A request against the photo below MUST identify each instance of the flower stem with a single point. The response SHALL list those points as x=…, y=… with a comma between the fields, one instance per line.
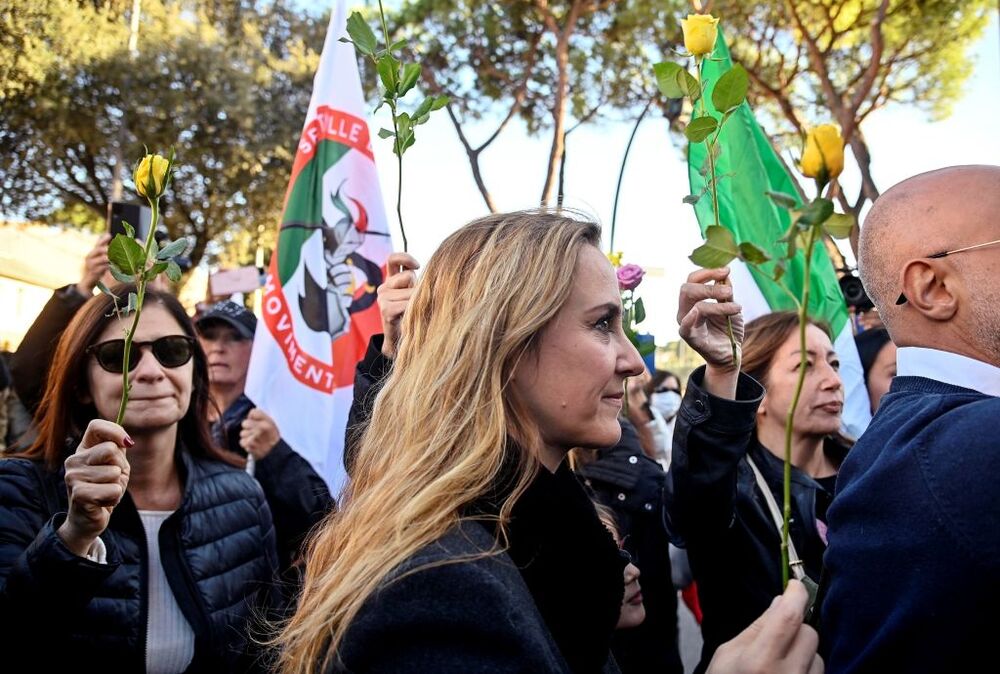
x=398, y=140
x=140, y=293
x=790, y=419
x=714, y=186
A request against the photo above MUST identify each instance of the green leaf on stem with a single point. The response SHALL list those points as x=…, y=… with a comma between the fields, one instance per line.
x=173, y=249
x=639, y=311
x=156, y=270
x=398, y=44
x=424, y=107
x=779, y=270
x=718, y=250
x=839, y=225
x=125, y=252
x=440, y=102
x=119, y=275
x=731, y=89
x=361, y=34
x=751, y=254
x=646, y=348
x=700, y=128
x=133, y=303
x=666, y=79
x=689, y=85
x=411, y=72
x=173, y=271
x=104, y=289
x=129, y=230
x=385, y=133
x=816, y=212
x=782, y=199
x=388, y=72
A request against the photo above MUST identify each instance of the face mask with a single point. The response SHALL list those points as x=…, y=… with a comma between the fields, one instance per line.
x=667, y=403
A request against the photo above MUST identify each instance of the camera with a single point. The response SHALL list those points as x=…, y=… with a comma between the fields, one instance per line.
x=854, y=293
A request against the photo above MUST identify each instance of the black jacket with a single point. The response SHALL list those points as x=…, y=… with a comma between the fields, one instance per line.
x=720, y=515
x=547, y=604
x=369, y=375
x=297, y=495
x=29, y=365
x=633, y=486
x=61, y=612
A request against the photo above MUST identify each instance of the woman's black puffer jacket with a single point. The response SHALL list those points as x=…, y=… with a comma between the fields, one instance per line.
x=62, y=612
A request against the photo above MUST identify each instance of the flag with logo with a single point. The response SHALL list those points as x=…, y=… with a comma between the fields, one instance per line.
x=751, y=168
x=319, y=304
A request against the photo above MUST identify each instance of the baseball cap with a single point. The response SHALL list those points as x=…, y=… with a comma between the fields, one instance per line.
x=232, y=314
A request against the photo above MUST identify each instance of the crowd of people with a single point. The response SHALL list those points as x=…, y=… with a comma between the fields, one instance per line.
x=505, y=511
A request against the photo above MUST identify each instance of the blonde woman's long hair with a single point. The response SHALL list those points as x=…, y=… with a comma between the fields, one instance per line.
x=439, y=433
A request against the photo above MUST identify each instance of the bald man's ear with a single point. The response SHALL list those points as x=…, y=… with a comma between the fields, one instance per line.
x=930, y=289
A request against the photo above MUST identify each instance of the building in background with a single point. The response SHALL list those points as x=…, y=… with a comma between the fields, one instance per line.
x=35, y=259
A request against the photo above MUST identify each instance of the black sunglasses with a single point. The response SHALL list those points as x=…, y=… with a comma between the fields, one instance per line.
x=170, y=351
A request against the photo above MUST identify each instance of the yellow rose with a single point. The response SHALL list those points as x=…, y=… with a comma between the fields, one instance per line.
x=158, y=166
x=823, y=156
x=615, y=259
x=700, y=31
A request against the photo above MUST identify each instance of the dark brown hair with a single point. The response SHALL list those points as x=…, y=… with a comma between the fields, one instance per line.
x=62, y=417
x=765, y=335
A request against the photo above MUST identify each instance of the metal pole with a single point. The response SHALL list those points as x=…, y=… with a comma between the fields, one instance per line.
x=621, y=174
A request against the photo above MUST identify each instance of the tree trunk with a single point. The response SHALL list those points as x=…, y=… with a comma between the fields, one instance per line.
x=478, y=177
x=559, y=118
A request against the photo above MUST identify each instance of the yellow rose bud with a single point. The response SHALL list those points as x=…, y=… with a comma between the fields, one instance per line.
x=615, y=259
x=700, y=31
x=823, y=156
x=158, y=166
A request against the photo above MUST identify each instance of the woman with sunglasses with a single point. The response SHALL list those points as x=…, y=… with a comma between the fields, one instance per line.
x=139, y=547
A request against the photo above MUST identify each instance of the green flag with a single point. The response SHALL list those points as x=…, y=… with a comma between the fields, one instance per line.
x=748, y=168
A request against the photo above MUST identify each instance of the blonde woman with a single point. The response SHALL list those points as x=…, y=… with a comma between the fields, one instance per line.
x=464, y=542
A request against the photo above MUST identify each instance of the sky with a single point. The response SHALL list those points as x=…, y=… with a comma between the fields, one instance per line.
x=654, y=228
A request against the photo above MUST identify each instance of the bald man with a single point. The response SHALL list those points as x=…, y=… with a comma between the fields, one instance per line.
x=914, y=531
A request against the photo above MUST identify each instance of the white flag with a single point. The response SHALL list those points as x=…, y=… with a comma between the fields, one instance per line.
x=319, y=304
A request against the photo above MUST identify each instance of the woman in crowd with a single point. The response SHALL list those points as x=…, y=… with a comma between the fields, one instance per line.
x=878, y=362
x=138, y=547
x=729, y=447
x=632, y=612
x=632, y=487
x=464, y=543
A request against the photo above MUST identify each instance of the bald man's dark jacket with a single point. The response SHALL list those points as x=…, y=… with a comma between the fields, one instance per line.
x=914, y=531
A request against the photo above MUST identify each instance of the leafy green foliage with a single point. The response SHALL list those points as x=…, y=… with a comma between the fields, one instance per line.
x=700, y=128
x=718, y=250
x=232, y=82
x=731, y=89
x=839, y=225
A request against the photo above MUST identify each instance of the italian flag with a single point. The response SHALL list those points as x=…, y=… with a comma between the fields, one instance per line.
x=319, y=305
x=751, y=168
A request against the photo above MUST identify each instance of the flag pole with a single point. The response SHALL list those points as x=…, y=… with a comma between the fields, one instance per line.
x=621, y=174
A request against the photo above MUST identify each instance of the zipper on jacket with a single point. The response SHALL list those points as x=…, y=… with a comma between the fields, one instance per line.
x=182, y=583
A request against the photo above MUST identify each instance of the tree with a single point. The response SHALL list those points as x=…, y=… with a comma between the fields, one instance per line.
x=226, y=83
x=552, y=64
x=813, y=60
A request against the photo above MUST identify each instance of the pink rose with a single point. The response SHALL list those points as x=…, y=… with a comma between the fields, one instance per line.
x=629, y=276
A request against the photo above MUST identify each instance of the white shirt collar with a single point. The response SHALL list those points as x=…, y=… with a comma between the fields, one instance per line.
x=949, y=368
